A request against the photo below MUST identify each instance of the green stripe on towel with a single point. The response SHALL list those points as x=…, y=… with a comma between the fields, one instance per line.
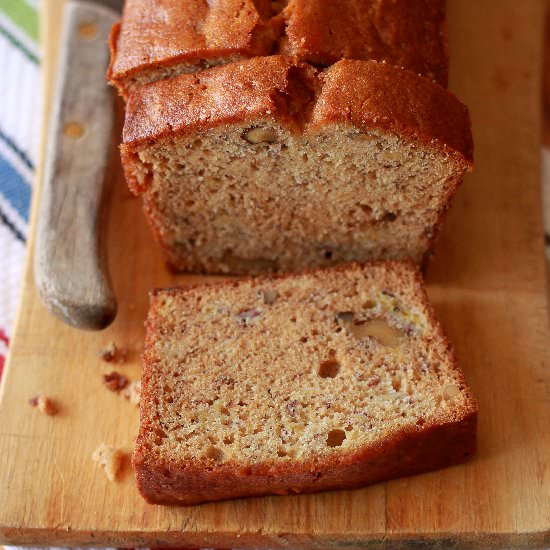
x=23, y=15
x=15, y=42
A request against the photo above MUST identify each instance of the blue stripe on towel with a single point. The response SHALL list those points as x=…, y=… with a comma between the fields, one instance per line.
x=14, y=189
x=18, y=151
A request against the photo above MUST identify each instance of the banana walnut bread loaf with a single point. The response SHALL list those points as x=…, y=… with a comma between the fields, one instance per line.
x=160, y=38
x=332, y=379
x=269, y=164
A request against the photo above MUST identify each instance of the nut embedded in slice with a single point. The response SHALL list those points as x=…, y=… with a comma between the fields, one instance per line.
x=451, y=391
x=269, y=295
x=261, y=135
x=378, y=329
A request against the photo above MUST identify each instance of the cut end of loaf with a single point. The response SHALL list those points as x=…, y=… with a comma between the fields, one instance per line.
x=337, y=196
x=273, y=167
x=325, y=380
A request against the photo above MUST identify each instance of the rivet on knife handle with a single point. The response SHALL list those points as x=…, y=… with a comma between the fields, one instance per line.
x=70, y=258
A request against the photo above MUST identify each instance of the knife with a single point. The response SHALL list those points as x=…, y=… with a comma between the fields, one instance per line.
x=71, y=271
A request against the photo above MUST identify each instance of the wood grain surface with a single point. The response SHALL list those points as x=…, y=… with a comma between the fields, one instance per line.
x=487, y=283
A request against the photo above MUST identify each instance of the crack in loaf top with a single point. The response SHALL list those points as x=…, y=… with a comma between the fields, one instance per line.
x=159, y=38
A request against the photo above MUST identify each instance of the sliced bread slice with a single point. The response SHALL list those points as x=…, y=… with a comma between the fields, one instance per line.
x=270, y=165
x=161, y=38
x=331, y=379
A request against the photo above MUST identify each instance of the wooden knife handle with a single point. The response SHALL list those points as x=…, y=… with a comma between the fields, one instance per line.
x=71, y=270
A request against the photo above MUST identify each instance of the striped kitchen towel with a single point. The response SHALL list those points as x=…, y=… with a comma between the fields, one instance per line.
x=19, y=137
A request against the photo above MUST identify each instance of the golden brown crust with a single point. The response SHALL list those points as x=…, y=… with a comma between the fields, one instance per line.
x=163, y=33
x=400, y=32
x=437, y=443
x=405, y=453
x=164, y=37
x=366, y=94
x=372, y=95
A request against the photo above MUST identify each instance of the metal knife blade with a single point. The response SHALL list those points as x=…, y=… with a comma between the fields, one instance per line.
x=71, y=270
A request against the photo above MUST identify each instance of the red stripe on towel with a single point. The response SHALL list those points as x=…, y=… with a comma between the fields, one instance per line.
x=4, y=338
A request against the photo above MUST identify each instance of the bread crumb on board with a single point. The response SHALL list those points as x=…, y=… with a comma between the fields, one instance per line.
x=132, y=392
x=110, y=459
x=44, y=404
x=114, y=381
x=113, y=354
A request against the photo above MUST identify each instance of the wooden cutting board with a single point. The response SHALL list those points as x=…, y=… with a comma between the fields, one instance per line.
x=488, y=285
